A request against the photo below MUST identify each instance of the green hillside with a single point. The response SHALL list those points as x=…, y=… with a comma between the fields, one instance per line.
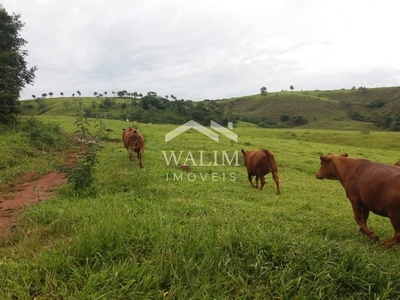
x=353, y=109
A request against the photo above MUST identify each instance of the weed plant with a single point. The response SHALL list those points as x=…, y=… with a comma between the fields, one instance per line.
x=80, y=175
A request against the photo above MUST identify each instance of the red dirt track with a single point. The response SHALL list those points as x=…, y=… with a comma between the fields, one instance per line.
x=25, y=194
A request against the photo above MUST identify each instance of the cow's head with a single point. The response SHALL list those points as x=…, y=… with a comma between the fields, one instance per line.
x=125, y=131
x=327, y=169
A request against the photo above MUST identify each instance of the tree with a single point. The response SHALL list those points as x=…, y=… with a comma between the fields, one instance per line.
x=122, y=93
x=292, y=88
x=95, y=94
x=14, y=73
x=33, y=96
x=50, y=94
x=44, y=95
x=263, y=91
x=299, y=120
x=62, y=94
x=79, y=93
x=285, y=118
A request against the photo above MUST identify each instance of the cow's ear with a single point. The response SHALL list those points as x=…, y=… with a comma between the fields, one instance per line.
x=324, y=158
x=344, y=155
x=123, y=129
x=242, y=151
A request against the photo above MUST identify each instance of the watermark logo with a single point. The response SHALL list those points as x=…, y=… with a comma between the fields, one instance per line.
x=204, y=130
x=202, y=158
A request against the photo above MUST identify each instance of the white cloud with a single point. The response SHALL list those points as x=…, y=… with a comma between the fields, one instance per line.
x=208, y=49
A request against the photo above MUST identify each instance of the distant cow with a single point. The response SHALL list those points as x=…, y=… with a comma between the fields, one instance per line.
x=259, y=163
x=370, y=186
x=134, y=143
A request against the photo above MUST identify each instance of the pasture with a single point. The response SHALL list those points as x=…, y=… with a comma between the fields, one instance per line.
x=160, y=232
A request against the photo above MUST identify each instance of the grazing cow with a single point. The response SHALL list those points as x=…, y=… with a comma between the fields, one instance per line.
x=259, y=163
x=370, y=186
x=134, y=143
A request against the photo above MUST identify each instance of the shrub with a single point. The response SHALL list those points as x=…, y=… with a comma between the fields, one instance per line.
x=44, y=136
x=285, y=118
x=354, y=115
x=108, y=103
x=377, y=104
x=299, y=120
x=363, y=89
x=81, y=175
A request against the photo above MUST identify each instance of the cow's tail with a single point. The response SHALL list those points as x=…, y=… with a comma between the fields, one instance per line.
x=271, y=160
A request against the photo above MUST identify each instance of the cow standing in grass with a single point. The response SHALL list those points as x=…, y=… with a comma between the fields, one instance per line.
x=134, y=143
x=258, y=164
x=370, y=186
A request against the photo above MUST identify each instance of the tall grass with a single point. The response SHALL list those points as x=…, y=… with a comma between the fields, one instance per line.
x=145, y=237
x=32, y=146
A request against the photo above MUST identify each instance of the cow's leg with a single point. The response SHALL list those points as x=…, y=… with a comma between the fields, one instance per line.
x=140, y=159
x=395, y=220
x=256, y=186
x=361, y=216
x=250, y=179
x=276, y=179
x=131, y=154
x=262, y=182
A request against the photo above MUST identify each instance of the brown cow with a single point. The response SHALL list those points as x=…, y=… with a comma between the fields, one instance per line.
x=134, y=143
x=259, y=163
x=370, y=186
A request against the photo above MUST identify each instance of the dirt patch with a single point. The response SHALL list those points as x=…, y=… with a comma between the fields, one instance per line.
x=25, y=194
x=30, y=189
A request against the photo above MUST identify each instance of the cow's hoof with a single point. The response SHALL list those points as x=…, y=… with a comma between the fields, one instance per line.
x=373, y=236
x=390, y=243
x=370, y=235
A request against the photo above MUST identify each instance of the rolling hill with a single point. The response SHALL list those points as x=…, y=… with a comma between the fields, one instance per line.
x=352, y=109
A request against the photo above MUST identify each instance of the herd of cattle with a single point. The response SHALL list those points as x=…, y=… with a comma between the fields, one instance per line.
x=370, y=186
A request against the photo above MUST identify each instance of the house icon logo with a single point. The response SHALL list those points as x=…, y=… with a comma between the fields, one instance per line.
x=204, y=130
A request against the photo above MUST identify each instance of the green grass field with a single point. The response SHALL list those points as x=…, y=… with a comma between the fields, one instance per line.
x=160, y=233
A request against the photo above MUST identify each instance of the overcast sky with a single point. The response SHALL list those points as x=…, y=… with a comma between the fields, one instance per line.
x=208, y=49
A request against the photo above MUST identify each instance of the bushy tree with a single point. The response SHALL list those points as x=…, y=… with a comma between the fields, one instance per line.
x=14, y=73
x=299, y=120
x=263, y=91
